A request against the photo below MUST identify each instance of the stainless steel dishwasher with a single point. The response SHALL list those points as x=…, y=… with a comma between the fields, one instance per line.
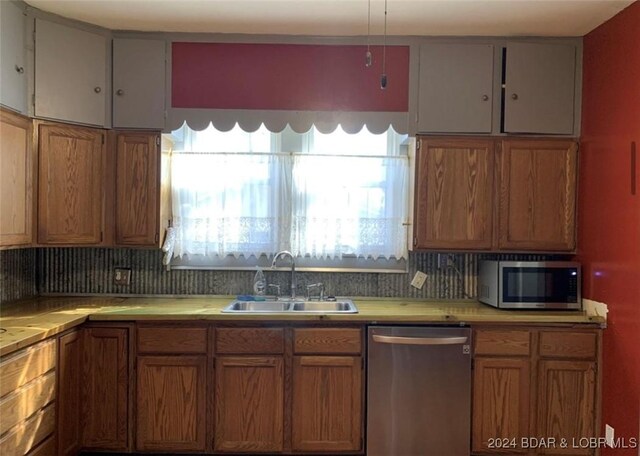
x=419, y=391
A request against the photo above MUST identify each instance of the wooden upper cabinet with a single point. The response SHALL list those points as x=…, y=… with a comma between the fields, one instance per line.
x=327, y=403
x=16, y=180
x=538, y=195
x=171, y=403
x=539, y=88
x=137, y=189
x=70, y=74
x=456, y=88
x=69, y=405
x=249, y=404
x=13, y=70
x=71, y=193
x=138, y=83
x=454, y=193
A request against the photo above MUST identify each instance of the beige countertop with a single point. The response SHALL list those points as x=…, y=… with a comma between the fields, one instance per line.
x=27, y=322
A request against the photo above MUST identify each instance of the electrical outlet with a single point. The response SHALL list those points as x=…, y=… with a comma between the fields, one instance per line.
x=609, y=435
x=418, y=280
x=122, y=276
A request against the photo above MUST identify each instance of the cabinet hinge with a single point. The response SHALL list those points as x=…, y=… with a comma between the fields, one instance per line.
x=33, y=100
x=157, y=237
x=415, y=241
x=418, y=142
x=101, y=236
x=473, y=363
x=157, y=140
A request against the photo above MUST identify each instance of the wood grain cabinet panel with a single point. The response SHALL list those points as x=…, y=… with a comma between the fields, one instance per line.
x=26, y=436
x=46, y=448
x=504, y=342
x=454, y=194
x=171, y=403
x=501, y=396
x=538, y=195
x=250, y=341
x=25, y=401
x=26, y=365
x=69, y=406
x=71, y=193
x=16, y=179
x=137, y=189
x=563, y=344
x=249, y=404
x=327, y=403
x=172, y=339
x=105, y=388
x=346, y=341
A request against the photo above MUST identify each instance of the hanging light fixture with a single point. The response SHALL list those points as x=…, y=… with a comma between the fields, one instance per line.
x=383, y=76
x=368, y=58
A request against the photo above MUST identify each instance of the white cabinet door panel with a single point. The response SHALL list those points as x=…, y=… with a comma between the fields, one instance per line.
x=13, y=71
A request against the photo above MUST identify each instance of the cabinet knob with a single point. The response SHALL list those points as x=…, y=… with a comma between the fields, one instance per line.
x=485, y=97
x=514, y=96
x=119, y=92
x=97, y=89
x=19, y=69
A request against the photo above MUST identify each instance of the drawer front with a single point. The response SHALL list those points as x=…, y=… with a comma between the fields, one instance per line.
x=502, y=342
x=328, y=340
x=23, y=438
x=249, y=340
x=46, y=448
x=25, y=401
x=19, y=369
x=561, y=344
x=172, y=339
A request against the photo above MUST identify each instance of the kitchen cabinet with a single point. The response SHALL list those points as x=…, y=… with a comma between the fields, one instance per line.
x=137, y=207
x=539, y=88
x=456, y=88
x=138, y=83
x=105, y=388
x=71, y=179
x=69, y=405
x=17, y=163
x=538, y=180
x=13, y=74
x=454, y=193
x=70, y=74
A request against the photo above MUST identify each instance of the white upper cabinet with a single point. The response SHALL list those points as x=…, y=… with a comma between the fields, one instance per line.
x=13, y=72
x=70, y=74
x=456, y=88
x=539, y=88
x=138, y=83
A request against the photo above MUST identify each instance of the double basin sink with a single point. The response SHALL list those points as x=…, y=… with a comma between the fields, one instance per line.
x=339, y=306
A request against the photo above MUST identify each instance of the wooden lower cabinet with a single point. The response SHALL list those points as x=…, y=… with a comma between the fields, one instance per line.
x=249, y=404
x=69, y=406
x=327, y=403
x=171, y=403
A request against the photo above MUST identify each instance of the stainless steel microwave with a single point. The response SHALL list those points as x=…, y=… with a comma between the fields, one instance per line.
x=530, y=284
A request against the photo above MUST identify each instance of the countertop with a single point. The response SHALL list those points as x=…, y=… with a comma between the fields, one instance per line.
x=24, y=323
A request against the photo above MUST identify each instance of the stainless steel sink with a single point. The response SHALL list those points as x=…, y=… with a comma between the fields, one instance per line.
x=288, y=306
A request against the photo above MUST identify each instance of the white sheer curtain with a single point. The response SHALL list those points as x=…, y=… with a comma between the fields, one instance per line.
x=336, y=195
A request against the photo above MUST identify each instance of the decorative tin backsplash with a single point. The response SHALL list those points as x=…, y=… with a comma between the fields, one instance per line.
x=17, y=274
x=91, y=270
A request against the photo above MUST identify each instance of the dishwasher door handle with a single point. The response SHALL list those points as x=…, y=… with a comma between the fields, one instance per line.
x=399, y=340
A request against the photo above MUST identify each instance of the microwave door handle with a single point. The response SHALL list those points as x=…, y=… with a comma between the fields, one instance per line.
x=397, y=340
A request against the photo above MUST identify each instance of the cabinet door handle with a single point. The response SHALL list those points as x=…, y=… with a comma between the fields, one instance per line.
x=19, y=69
x=514, y=96
x=97, y=89
x=485, y=97
x=397, y=340
x=120, y=92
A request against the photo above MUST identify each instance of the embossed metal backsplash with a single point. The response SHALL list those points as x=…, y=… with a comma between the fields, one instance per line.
x=91, y=270
x=17, y=274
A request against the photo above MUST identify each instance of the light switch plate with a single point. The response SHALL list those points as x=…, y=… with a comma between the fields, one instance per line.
x=609, y=435
x=122, y=276
x=418, y=280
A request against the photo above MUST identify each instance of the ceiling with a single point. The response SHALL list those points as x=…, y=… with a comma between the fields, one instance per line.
x=344, y=17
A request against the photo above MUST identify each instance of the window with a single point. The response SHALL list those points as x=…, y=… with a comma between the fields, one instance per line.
x=324, y=196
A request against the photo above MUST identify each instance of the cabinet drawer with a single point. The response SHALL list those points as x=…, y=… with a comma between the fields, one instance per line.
x=46, y=448
x=20, y=369
x=250, y=340
x=560, y=344
x=502, y=342
x=172, y=339
x=328, y=340
x=22, y=403
x=21, y=439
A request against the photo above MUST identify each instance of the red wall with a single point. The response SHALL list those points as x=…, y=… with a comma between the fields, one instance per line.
x=609, y=215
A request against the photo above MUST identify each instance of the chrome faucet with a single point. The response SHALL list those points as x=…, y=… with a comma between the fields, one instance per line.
x=293, y=269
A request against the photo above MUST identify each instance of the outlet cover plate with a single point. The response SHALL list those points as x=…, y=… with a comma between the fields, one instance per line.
x=418, y=280
x=609, y=435
x=122, y=276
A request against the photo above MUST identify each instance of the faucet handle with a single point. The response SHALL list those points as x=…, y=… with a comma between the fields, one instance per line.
x=277, y=287
x=320, y=287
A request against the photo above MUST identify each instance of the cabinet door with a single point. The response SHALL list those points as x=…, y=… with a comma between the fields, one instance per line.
x=171, y=403
x=327, y=403
x=13, y=77
x=456, y=88
x=501, y=398
x=249, y=407
x=539, y=88
x=454, y=194
x=69, y=406
x=105, y=389
x=138, y=83
x=16, y=180
x=70, y=74
x=70, y=203
x=538, y=195
x=566, y=403
x=137, y=189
